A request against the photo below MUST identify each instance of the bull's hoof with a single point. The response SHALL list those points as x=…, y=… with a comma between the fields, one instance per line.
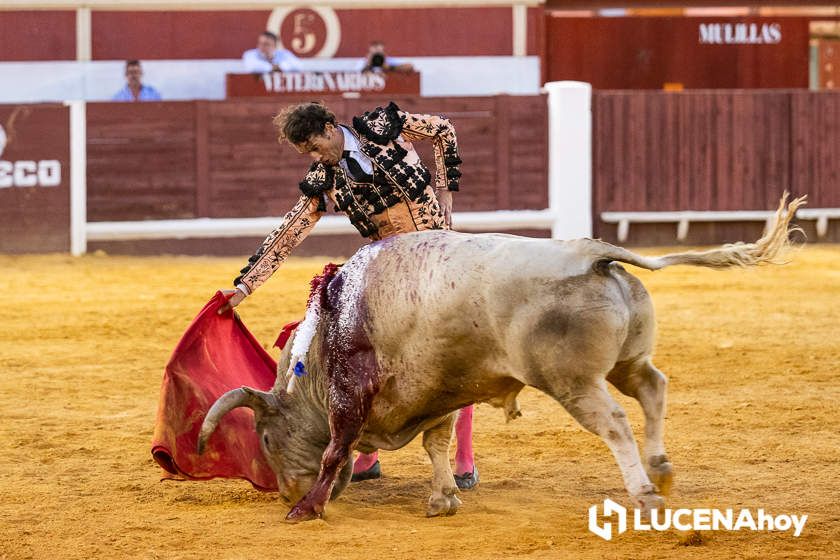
x=443, y=505
x=299, y=514
x=648, y=500
x=372, y=472
x=468, y=480
x=661, y=473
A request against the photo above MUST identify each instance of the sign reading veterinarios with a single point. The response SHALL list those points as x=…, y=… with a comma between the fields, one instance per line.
x=321, y=83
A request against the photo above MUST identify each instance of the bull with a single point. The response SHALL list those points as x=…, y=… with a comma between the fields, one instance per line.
x=414, y=327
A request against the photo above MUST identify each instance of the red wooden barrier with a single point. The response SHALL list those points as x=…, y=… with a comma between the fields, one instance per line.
x=815, y=147
x=652, y=151
x=141, y=161
x=712, y=150
x=34, y=178
x=221, y=159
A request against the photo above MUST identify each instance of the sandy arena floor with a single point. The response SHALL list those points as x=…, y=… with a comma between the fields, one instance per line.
x=752, y=357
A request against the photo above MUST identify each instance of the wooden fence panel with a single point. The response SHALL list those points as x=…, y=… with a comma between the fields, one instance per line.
x=221, y=159
x=816, y=147
x=690, y=151
x=250, y=174
x=652, y=151
x=141, y=161
x=712, y=150
x=528, y=179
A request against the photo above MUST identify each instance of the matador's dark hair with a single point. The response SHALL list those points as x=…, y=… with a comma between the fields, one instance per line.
x=296, y=123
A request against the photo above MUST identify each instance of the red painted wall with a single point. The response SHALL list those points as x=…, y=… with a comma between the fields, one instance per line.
x=174, y=35
x=428, y=32
x=647, y=52
x=157, y=35
x=37, y=35
x=226, y=34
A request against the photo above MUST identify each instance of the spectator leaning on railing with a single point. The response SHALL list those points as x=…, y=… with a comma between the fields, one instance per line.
x=268, y=58
x=134, y=90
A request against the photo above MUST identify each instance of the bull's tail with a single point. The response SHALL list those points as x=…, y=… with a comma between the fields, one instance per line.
x=770, y=249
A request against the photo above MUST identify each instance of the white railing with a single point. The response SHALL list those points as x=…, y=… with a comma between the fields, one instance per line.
x=684, y=219
x=327, y=225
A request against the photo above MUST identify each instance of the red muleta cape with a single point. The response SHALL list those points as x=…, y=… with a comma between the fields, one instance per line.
x=215, y=355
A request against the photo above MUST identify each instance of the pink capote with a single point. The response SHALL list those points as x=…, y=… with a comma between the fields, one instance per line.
x=215, y=355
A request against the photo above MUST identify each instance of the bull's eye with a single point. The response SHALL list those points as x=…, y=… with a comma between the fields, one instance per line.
x=265, y=439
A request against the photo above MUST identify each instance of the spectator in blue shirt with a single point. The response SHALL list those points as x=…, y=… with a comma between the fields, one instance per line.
x=134, y=89
x=268, y=58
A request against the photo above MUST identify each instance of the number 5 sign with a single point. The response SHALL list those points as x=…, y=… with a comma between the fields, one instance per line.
x=307, y=32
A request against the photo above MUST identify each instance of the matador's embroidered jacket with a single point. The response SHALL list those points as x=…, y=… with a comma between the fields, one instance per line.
x=398, y=197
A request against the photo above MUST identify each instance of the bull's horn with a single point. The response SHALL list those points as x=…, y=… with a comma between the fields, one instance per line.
x=258, y=401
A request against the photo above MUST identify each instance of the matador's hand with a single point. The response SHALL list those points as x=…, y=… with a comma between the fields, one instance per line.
x=445, y=202
x=233, y=301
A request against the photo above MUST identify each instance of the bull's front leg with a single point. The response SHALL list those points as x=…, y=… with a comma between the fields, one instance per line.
x=312, y=505
x=437, y=441
x=353, y=384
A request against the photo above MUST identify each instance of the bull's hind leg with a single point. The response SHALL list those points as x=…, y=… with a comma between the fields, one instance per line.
x=436, y=441
x=353, y=384
x=641, y=380
x=591, y=405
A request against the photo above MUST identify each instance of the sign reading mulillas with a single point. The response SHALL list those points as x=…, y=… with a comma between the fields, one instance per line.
x=740, y=34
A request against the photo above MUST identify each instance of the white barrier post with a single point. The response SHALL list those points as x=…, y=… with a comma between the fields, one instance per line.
x=78, y=178
x=570, y=159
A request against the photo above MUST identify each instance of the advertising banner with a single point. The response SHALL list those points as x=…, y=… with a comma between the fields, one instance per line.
x=34, y=178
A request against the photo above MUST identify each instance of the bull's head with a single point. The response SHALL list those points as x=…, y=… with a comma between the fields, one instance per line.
x=289, y=443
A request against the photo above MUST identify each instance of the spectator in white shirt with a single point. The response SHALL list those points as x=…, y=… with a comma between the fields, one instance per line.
x=268, y=58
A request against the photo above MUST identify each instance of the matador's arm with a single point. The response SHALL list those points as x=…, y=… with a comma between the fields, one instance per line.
x=294, y=228
x=442, y=135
